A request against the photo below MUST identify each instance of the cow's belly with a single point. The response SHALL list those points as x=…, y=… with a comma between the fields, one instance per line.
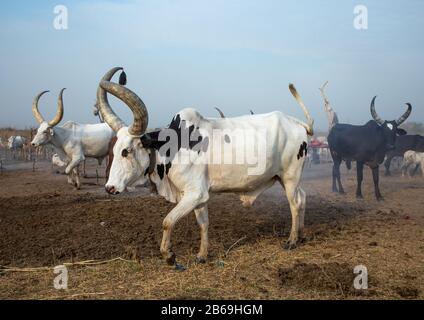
x=236, y=178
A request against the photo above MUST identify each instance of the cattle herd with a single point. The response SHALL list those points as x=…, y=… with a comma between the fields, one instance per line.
x=179, y=161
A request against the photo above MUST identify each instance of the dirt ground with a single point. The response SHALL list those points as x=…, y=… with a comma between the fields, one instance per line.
x=44, y=222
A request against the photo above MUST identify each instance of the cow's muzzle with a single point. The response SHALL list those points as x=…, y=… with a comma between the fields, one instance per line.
x=111, y=190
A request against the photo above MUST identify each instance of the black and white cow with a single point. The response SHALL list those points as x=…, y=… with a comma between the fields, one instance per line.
x=182, y=168
x=403, y=144
x=365, y=144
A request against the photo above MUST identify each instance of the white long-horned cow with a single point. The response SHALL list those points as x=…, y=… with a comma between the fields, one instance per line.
x=138, y=155
x=73, y=142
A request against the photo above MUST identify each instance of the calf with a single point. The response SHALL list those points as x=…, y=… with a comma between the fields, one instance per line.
x=365, y=144
x=412, y=158
x=403, y=144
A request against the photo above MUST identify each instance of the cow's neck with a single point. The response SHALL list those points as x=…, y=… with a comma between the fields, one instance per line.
x=158, y=174
x=59, y=137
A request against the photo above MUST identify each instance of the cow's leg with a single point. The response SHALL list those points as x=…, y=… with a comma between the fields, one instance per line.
x=297, y=201
x=375, y=176
x=203, y=221
x=75, y=161
x=77, y=178
x=413, y=172
x=188, y=203
x=387, y=165
x=404, y=167
x=359, y=176
x=336, y=175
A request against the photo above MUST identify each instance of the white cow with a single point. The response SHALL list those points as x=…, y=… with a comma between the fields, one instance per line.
x=72, y=141
x=412, y=158
x=139, y=155
x=16, y=144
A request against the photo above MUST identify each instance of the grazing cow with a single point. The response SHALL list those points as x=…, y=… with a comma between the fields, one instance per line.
x=72, y=141
x=365, y=144
x=180, y=168
x=403, y=144
x=16, y=144
x=412, y=158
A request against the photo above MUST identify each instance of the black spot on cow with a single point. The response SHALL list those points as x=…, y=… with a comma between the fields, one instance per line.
x=302, y=150
x=167, y=167
x=188, y=137
x=161, y=170
x=227, y=138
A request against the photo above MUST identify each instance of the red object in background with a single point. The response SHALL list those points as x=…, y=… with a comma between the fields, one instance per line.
x=317, y=144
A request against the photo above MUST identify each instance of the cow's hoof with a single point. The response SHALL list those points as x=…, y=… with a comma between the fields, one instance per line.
x=335, y=190
x=380, y=198
x=200, y=260
x=359, y=196
x=342, y=192
x=171, y=259
x=289, y=246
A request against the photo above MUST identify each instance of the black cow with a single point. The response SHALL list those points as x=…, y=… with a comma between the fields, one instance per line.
x=365, y=144
x=403, y=144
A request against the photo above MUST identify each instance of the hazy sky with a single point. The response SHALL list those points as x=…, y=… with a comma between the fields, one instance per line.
x=237, y=55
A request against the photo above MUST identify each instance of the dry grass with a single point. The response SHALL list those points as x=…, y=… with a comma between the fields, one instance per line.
x=387, y=237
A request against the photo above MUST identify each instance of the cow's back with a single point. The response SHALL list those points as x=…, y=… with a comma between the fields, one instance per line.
x=94, y=138
x=269, y=143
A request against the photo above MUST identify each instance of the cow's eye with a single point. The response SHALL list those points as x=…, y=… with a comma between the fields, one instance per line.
x=125, y=153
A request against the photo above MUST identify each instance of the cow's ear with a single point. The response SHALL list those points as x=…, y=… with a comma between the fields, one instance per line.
x=400, y=132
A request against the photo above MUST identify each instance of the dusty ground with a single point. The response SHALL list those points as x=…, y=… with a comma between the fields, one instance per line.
x=44, y=222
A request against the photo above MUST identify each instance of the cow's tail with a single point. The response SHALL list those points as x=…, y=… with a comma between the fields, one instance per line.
x=310, y=125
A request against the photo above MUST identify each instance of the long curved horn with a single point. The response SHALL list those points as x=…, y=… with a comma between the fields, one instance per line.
x=59, y=113
x=310, y=125
x=35, y=111
x=326, y=102
x=405, y=115
x=374, y=113
x=137, y=106
x=104, y=107
x=220, y=112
